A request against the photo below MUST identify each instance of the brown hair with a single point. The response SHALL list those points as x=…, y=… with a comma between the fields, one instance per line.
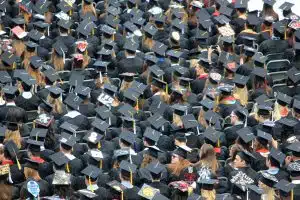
x=177, y=120
x=37, y=75
x=6, y=191
x=148, y=42
x=26, y=57
x=147, y=160
x=88, y=8
x=58, y=62
x=176, y=168
x=208, y=158
x=57, y=104
x=125, y=85
x=31, y=173
x=268, y=191
x=201, y=118
x=19, y=47
x=15, y=136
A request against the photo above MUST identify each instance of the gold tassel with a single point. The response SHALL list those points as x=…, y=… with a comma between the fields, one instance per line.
x=99, y=145
x=131, y=179
x=18, y=163
x=93, y=31
x=167, y=90
x=137, y=105
x=218, y=143
x=90, y=183
x=86, y=52
x=33, y=124
x=285, y=34
x=190, y=191
x=101, y=164
x=190, y=87
x=113, y=37
x=68, y=169
x=14, y=65
x=122, y=195
x=292, y=195
x=70, y=12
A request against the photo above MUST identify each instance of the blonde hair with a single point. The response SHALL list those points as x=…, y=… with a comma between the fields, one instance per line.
x=15, y=136
x=208, y=158
x=57, y=104
x=31, y=173
x=57, y=61
x=268, y=191
x=241, y=94
x=37, y=75
x=26, y=58
x=169, y=12
x=88, y=8
x=125, y=85
x=148, y=42
x=201, y=118
x=176, y=168
x=19, y=47
x=208, y=194
x=100, y=84
x=177, y=120
x=86, y=61
x=147, y=160
x=278, y=109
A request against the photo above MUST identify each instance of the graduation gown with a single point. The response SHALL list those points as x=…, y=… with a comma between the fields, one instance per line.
x=130, y=64
x=26, y=103
x=77, y=119
x=22, y=117
x=44, y=188
x=231, y=134
x=273, y=46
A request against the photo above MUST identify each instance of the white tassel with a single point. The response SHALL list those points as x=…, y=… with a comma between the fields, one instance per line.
x=64, y=56
x=101, y=78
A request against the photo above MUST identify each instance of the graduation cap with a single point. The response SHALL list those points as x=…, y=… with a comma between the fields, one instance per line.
x=34, y=145
x=241, y=4
x=51, y=75
x=5, y=77
x=100, y=125
x=269, y=2
x=268, y=179
x=174, y=53
x=260, y=72
x=180, y=109
x=211, y=117
x=128, y=76
x=127, y=110
x=179, y=70
x=254, y=192
x=241, y=180
x=113, y=10
x=10, y=91
x=207, y=103
x=59, y=159
x=286, y=6
x=155, y=168
x=240, y=80
x=128, y=168
x=213, y=136
x=35, y=35
x=82, y=90
x=70, y=128
x=61, y=178
x=64, y=6
x=108, y=30
x=73, y=101
x=86, y=27
x=182, y=151
x=87, y=193
x=264, y=109
x=92, y=137
x=159, y=48
x=55, y=92
x=158, y=107
x=204, y=19
x=19, y=32
x=60, y=48
x=246, y=156
x=157, y=121
x=131, y=45
x=294, y=75
x=279, y=27
x=117, y=186
x=153, y=59
x=103, y=112
x=159, y=18
x=32, y=164
x=284, y=99
x=189, y=121
x=253, y=20
x=41, y=7
x=18, y=21
x=36, y=62
x=259, y=59
x=66, y=24
x=264, y=137
x=159, y=83
x=138, y=20
x=8, y=58
x=289, y=122
x=112, y=21
x=121, y=153
x=41, y=25
x=91, y=172
x=138, y=87
x=152, y=134
x=147, y=192
x=179, y=24
x=277, y=155
x=246, y=134
x=284, y=187
x=222, y=20
x=68, y=140
x=296, y=105
x=128, y=137
x=207, y=183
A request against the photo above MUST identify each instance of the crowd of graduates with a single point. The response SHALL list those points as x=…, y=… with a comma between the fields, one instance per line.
x=149, y=99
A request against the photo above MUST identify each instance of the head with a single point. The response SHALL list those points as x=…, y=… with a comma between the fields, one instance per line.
x=208, y=157
x=239, y=162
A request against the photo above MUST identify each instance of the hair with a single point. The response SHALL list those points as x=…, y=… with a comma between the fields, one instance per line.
x=176, y=168
x=269, y=11
x=280, y=111
x=208, y=194
x=26, y=58
x=37, y=75
x=201, y=118
x=19, y=47
x=148, y=42
x=86, y=60
x=57, y=104
x=261, y=83
x=208, y=158
x=170, y=11
x=235, y=148
x=105, y=80
x=241, y=94
x=147, y=160
x=31, y=173
x=15, y=136
x=88, y=8
x=125, y=85
x=177, y=120
x=6, y=191
x=57, y=61
x=27, y=16
x=164, y=97
x=63, y=191
x=268, y=191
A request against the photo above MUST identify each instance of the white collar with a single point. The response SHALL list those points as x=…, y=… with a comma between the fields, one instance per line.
x=127, y=184
x=27, y=95
x=130, y=56
x=47, y=86
x=297, y=182
x=132, y=152
x=64, y=34
x=92, y=187
x=72, y=114
x=10, y=104
x=70, y=156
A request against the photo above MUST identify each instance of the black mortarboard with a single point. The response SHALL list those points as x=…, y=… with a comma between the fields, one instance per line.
x=270, y=2
x=221, y=19
x=227, y=39
x=179, y=24
x=207, y=183
x=189, y=121
x=5, y=77
x=226, y=90
x=277, y=156
x=10, y=90
x=66, y=24
x=246, y=156
x=8, y=58
x=179, y=70
x=212, y=117
x=128, y=136
x=92, y=137
x=159, y=83
x=254, y=192
x=59, y=159
x=128, y=77
x=100, y=125
x=246, y=134
x=174, y=53
x=284, y=99
x=91, y=172
x=18, y=21
x=41, y=25
x=31, y=45
x=138, y=87
x=258, y=71
x=51, y=75
x=55, y=92
x=68, y=140
x=212, y=135
x=294, y=75
x=60, y=48
x=259, y=59
x=279, y=27
x=103, y=112
x=70, y=128
x=11, y=148
x=263, y=137
x=158, y=107
x=284, y=187
x=108, y=30
x=157, y=121
x=113, y=10
x=32, y=164
x=253, y=20
x=35, y=35
x=295, y=148
x=290, y=122
x=128, y=167
x=240, y=80
x=180, y=109
x=226, y=11
x=153, y=59
x=286, y=6
x=73, y=101
x=296, y=105
x=241, y=4
x=152, y=134
x=127, y=110
x=264, y=109
x=249, y=51
x=231, y=66
x=82, y=90
x=129, y=26
x=87, y=194
x=159, y=18
x=96, y=154
x=182, y=151
x=138, y=20
x=41, y=7
x=294, y=168
x=36, y=62
x=89, y=16
x=112, y=21
x=268, y=179
x=38, y=133
x=207, y=103
x=156, y=168
x=147, y=192
x=44, y=120
x=154, y=151
x=121, y=153
x=64, y=6
x=132, y=95
x=86, y=27
x=159, y=48
x=131, y=45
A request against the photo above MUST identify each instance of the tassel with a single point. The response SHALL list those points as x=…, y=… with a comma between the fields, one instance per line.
x=137, y=105
x=33, y=124
x=90, y=183
x=122, y=195
x=292, y=195
x=109, y=122
x=190, y=87
x=167, y=90
x=218, y=143
x=64, y=56
x=18, y=163
x=190, y=191
x=134, y=127
x=285, y=36
x=14, y=65
x=100, y=164
x=93, y=31
x=70, y=13
x=113, y=37
x=86, y=52
x=99, y=145
x=68, y=169
x=131, y=181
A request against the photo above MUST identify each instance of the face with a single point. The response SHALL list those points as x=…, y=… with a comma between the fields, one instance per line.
x=238, y=162
x=233, y=118
x=175, y=158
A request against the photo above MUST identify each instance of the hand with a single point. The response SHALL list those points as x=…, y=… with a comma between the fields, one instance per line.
x=274, y=143
x=288, y=160
x=219, y=49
